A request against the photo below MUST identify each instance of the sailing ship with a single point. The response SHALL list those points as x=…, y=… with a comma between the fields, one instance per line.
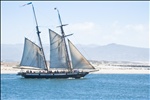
x=60, y=65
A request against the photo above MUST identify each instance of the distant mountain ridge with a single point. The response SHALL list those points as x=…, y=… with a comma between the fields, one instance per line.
x=117, y=52
x=110, y=52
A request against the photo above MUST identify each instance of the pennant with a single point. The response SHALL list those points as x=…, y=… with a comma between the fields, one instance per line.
x=27, y=4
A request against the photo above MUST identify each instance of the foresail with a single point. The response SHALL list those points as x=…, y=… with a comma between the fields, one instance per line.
x=78, y=60
x=32, y=55
x=57, y=51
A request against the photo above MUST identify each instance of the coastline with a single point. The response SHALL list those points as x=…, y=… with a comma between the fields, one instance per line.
x=102, y=70
x=122, y=71
x=11, y=68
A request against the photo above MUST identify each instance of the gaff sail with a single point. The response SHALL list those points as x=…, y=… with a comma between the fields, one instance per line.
x=32, y=55
x=57, y=51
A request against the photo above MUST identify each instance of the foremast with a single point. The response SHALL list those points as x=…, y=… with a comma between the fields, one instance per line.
x=63, y=37
x=38, y=34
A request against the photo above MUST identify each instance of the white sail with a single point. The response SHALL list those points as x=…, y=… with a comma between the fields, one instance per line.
x=57, y=51
x=78, y=60
x=32, y=55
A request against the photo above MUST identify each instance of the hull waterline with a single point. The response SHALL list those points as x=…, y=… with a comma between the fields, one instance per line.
x=53, y=75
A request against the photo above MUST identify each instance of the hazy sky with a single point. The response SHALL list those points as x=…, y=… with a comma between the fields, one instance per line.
x=97, y=22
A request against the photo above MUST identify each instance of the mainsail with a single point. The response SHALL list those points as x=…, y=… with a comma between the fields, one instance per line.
x=57, y=51
x=32, y=55
x=78, y=60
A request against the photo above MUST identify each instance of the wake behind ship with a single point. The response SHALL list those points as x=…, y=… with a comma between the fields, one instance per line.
x=60, y=65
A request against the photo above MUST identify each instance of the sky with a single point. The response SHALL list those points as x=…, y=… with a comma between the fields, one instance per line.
x=91, y=22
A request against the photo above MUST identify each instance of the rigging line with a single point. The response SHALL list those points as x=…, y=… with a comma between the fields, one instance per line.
x=30, y=34
x=82, y=48
x=56, y=42
x=59, y=45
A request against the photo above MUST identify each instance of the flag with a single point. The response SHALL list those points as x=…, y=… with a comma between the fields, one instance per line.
x=27, y=4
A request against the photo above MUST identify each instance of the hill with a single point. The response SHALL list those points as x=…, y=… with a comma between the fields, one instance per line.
x=110, y=52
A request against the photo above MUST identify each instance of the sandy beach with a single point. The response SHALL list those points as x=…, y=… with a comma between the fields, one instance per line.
x=10, y=68
x=122, y=70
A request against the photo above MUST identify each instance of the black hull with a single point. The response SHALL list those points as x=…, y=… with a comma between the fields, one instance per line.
x=53, y=75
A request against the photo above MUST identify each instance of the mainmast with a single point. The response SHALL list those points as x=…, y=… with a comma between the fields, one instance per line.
x=38, y=33
x=63, y=36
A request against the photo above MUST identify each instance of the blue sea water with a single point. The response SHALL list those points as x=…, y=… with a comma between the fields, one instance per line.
x=92, y=87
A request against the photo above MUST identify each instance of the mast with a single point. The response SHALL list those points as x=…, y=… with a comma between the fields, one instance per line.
x=38, y=33
x=63, y=36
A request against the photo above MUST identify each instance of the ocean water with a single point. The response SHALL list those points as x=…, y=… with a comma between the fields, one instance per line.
x=92, y=87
